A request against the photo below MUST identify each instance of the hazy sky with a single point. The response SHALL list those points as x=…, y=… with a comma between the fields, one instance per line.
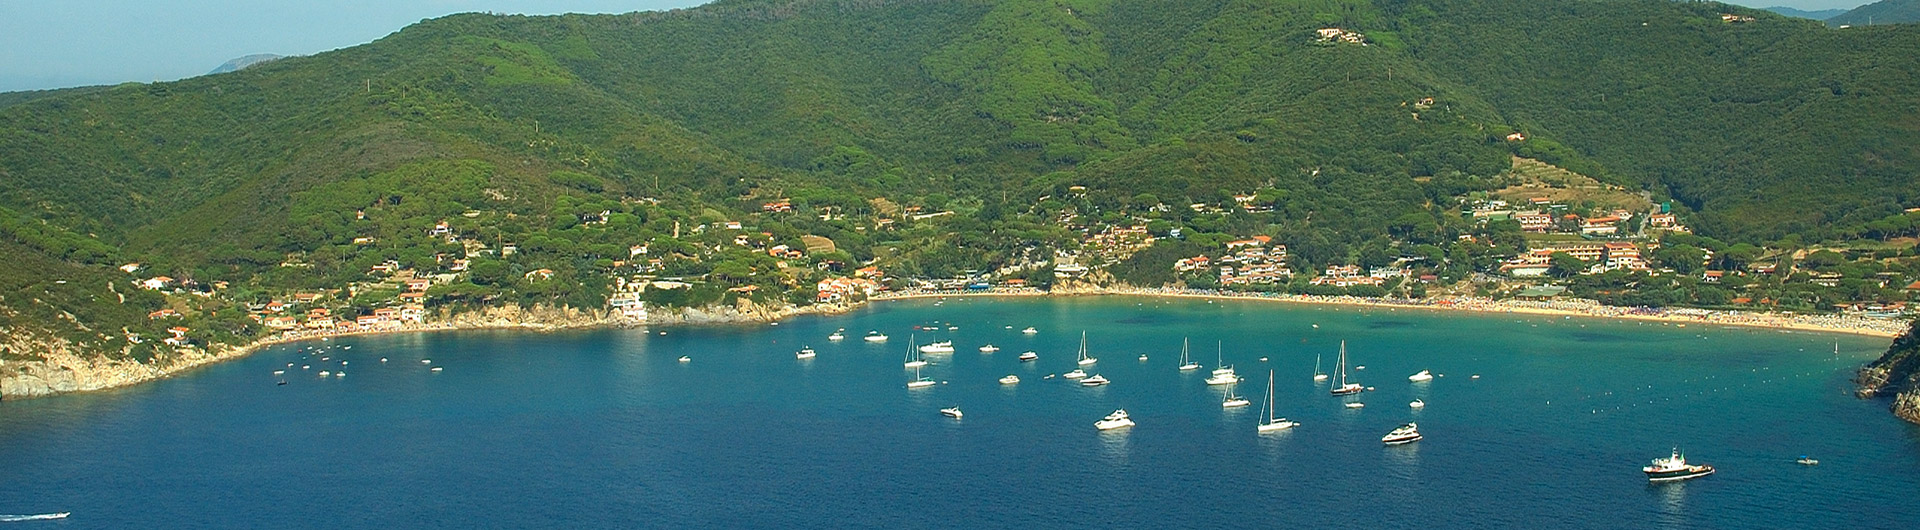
x=62, y=43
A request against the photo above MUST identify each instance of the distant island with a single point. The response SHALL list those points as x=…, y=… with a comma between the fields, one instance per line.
x=245, y=61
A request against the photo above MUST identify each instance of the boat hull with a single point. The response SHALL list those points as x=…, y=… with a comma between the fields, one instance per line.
x=1403, y=440
x=1277, y=426
x=1691, y=472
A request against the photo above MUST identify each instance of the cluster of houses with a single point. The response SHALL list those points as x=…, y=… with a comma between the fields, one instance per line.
x=1117, y=243
x=1337, y=35
x=1603, y=257
x=1353, y=276
x=864, y=283
x=1247, y=262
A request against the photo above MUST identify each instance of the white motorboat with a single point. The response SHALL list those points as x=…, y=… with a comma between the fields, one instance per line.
x=324, y=373
x=945, y=346
x=1096, y=380
x=1223, y=379
x=1118, y=419
x=1356, y=405
x=278, y=372
x=951, y=412
x=1421, y=377
x=1341, y=386
x=684, y=358
x=951, y=327
x=838, y=335
x=426, y=361
x=1418, y=404
x=804, y=353
x=1143, y=357
x=1406, y=434
x=1675, y=468
x=875, y=336
x=1186, y=362
x=1029, y=356
x=989, y=348
x=1084, y=358
x=437, y=369
x=1075, y=374
x=1010, y=379
x=1270, y=422
x=1029, y=331
x=1233, y=400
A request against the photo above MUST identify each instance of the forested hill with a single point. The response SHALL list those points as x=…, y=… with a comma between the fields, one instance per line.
x=1356, y=114
x=1882, y=12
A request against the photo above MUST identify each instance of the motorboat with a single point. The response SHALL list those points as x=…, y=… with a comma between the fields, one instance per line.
x=838, y=335
x=1029, y=356
x=1406, y=434
x=1010, y=379
x=989, y=348
x=684, y=358
x=945, y=346
x=1418, y=404
x=951, y=412
x=1223, y=379
x=1356, y=405
x=1143, y=357
x=1029, y=331
x=1096, y=380
x=1118, y=419
x=437, y=369
x=875, y=336
x=1675, y=468
x=804, y=353
x=1807, y=461
x=1421, y=377
x=1075, y=374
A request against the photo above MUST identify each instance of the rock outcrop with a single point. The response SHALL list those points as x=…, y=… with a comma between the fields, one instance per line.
x=1898, y=374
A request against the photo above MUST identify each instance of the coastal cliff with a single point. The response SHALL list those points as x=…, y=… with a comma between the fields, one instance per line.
x=1896, y=373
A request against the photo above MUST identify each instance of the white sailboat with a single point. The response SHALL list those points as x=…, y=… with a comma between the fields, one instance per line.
x=918, y=381
x=1084, y=359
x=1341, y=387
x=1270, y=423
x=1233, y=400
x=1219, y=359
x=1223, y=375
x=913, y=355
x=1186, y=362
x=1317, y=376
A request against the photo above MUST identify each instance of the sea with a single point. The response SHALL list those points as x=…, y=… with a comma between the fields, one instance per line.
x=1530, y=422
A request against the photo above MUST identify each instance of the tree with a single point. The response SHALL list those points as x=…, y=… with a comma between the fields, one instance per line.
x=1564, y=265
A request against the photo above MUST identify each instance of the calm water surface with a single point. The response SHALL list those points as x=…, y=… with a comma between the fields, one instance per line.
x=608, y=429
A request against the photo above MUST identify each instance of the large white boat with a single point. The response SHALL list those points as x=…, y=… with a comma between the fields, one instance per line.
x=1096, y=380
x=1421, y=377
x=913, y=355
x=945, y=346
x=1029, y=356
x=1223, y=379
x=1406, y=434
x=951, y=412
x=1269, y=422
x=1675, y=468
x=875, y=336
x=1341, y=386
x=838, y=335
x=1075, y=374
x=1010, y=379
x=918, y=381
x=1084, y=358
x=989, y=348
x=1186, y=361
x=1233, y=400
x=804, y=353
x=1113, y=421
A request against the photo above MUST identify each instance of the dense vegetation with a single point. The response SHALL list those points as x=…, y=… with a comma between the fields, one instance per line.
x=577, y=137
x=1881, y=12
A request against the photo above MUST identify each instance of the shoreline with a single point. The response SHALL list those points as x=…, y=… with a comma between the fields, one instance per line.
x=122, y=374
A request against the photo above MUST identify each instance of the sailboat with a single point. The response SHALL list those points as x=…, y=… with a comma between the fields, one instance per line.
x=1084, y=359
x=1269, y=423
x=1232, y=400
x=1341, y=386
x=1223, y=375
x=1186, y=363
x=1317, y=376
x=913, y=355
x=919, y=382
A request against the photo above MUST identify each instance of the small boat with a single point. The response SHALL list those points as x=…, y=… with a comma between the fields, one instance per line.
x=1096, y=380
x=324, y=373
x=383, y=359
x=989, y=348
x=1342, y=387
x=1406, y=434
x=344, y=363
x=1418, y=404
x=1232, y=400
x=1186, y=362
x=1807, y=461
x=684, y=358
x=1116, y=420
x=875, y=336
x=951, y=327
x=1010, y=379
x=1421, y=377
x=1084, y=358
x=1075, y=374
x=437, y=369
x=919, y=382
x=1675, y=468
x=1361, y=367
x=1029, y=356
x=278, y=372
x=1271, y=423
x=1475, y=376
x=282, y=382
x=951, y=412
x=306, y=366
x=426, y=361
x=337, y=375
x=1143, y=357
x=35, y=517
x=804, y=353
x=913, y=355
x=1356, y=405
x=1029, y=331
x=945, y=346
x=838, y=335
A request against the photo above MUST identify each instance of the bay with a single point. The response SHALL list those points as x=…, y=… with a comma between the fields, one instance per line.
x=606, y=428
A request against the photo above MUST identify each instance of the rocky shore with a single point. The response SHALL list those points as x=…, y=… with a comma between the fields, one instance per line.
x=1898, y=374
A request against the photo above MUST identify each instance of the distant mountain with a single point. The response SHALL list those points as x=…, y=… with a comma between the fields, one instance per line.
x=1882, y=12
x=244, y=62
x=1816, y=15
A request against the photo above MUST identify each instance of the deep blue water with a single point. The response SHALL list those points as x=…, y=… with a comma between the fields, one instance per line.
x=607, y=429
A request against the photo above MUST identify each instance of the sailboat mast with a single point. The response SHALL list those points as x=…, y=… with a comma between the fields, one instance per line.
x=1340, y=366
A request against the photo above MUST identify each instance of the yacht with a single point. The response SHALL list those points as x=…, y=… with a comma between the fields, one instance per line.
x=913, y=355
x=951, y=412
x=1233, y=400
x=918, y=381
x=1186, y=362
x=1084, y=358
x=684, y=358
x=945, y=346
x=1418, y=404
x=1029, y=356
x=804, y=353
x=1010, y=379
x=989, y=348
x=1406, y=434
x=1029, y=330
x=1271, y=423
x=1341, y=386
x=1675, y=468
x=1421, y=377
x=1317, y=376
x=838, y=335
x=875, y=336
x=1075, y=374
x=1096, y=380
x=1223, y=379
x=1113, y=421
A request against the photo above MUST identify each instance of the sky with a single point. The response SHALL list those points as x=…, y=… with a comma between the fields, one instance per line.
x=63, y=43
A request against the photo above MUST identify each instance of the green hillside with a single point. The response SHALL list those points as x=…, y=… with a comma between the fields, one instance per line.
x=1882, y=12
x=578, y=137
